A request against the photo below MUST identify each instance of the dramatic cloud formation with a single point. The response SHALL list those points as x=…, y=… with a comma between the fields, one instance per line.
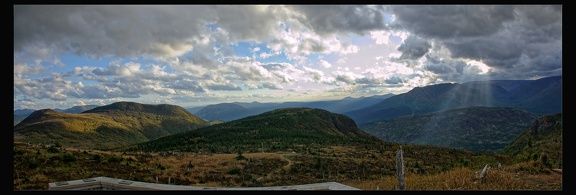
x=193, y=55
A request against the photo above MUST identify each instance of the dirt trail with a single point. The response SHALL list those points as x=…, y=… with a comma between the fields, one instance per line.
x=285, y=167
x=289, y=165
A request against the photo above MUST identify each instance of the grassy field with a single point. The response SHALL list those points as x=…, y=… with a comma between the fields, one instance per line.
x=36, y=166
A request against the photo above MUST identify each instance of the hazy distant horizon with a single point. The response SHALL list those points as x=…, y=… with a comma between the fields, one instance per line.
x=202, y=105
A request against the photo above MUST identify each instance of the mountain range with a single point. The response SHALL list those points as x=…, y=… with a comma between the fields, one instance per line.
x=542, y=96
x=237, y=110
x=477, y=116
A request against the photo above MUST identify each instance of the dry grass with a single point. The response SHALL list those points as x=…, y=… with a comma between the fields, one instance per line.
x=261, y=169
x=459, y=179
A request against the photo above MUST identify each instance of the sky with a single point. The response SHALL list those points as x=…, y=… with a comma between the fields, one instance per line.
x=196, y=55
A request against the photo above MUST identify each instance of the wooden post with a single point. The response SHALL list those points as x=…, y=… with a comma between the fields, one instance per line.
x=400, y=168
x=483, y=173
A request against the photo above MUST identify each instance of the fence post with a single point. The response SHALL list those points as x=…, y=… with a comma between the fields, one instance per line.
x=400, y=168
x=484, y=172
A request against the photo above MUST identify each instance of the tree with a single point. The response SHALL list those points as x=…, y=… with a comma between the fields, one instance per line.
x=400, y=168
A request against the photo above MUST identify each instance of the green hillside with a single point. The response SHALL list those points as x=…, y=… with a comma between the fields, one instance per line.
x=110, y=126
x=478, y=129
x=543, y=139
x=289, y=129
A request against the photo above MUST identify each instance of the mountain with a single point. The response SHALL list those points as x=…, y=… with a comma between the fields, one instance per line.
x=117, y=124
x=223, y=111
x=23, y=111
x=237, y=110
x=77, y=109
x=541, y=96
x=19, y=117
x=477, y=129
x=339, y=106
x=543, y=139
x=21, y=114
x=276, y=130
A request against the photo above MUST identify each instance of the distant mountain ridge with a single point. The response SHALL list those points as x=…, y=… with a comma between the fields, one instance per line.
x=77, y=109
x=21, y=114
x=223, y=111
x=541, y=96
x=237, y=110
x=108, y=126
x=23, y=111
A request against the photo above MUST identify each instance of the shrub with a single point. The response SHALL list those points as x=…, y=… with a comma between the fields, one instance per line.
x=97, y=157
x=33, y=163
x=234, y=170
x=53, y=149
x=68, y=158
x=115, y=159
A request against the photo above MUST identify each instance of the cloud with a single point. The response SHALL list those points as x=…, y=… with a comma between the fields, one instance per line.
x=221, y=86
x=501, y=36
x=187, y=85
x=133, y=30
x=248, y=22
x=28, y=69
x=346, y=77
x=104, y=92
x=297, y=45
x=197, y=51
x=325, y=64
x=102, y=30
x=271, y=86
x=370, y=81
x=329, y=19
x=314, y=75
x=244, y=69
x=55, y=87
x=394, y=80
x=414, y=48
x=452, y=21
x=443, y=66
